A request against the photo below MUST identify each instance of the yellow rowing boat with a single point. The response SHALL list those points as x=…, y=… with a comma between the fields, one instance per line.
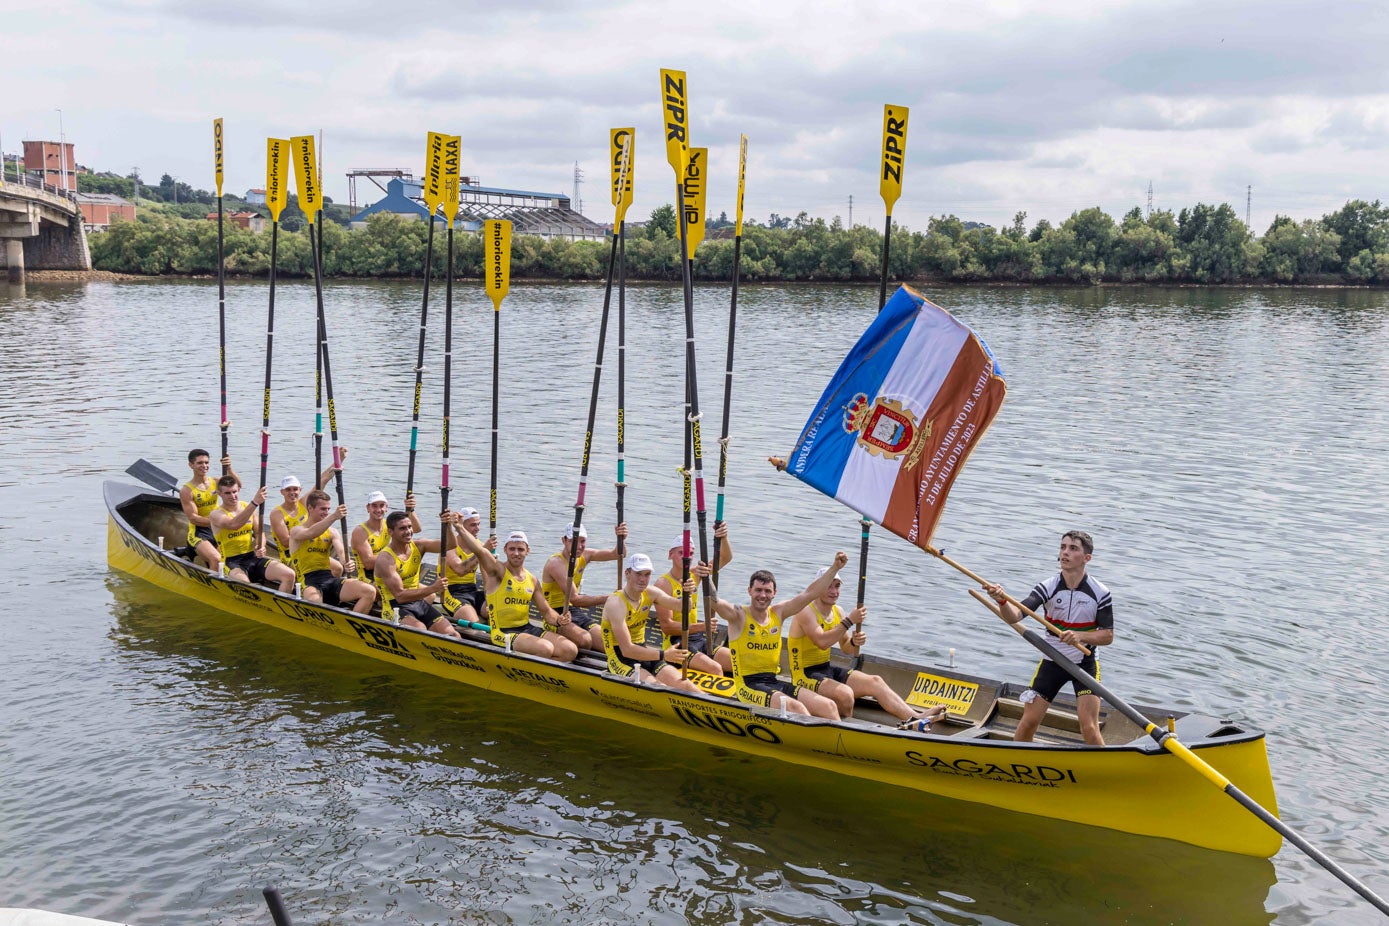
x=1131, y=784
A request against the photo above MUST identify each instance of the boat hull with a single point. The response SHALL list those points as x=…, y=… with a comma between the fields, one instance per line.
x=1135, y=788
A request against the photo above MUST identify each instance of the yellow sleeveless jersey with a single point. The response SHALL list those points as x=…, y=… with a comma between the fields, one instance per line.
x=508, y=607
x=409, y=569
x=238, y=541
x=757, y=650
x=377, y=540
x=553, y=591
x=206, y=500
x=312, y=555
x=452, y=578
x=678, y=592
x=804, y=652
x=638, y=614
x=291, y=522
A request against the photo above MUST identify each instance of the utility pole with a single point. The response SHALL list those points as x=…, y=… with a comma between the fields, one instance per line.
x=851, y=210
x=62, y=152
x=135, y=171
x=1248, y=202
x=1150, y=200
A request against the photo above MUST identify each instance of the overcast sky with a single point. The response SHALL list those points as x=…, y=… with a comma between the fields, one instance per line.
x=1041, y=107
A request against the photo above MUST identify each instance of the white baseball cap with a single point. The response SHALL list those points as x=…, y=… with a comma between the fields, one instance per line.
x=639, y=562
x=470, y=514
x=375, y=497
x=517, y=537
x=289, y=482
x=679, y=542
x=569, y=532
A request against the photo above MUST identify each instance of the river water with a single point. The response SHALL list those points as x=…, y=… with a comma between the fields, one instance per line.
x=160, y=763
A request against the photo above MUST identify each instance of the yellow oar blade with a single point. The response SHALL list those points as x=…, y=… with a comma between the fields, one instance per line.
x=622, y=149
x=453, y=159
x=694, y=191
x=677, y=120
x=433, y=192
x=217, y=153
x=496, y=236
x=742, y=177
x=276, y=174
x=306, y=175
x=894, y=154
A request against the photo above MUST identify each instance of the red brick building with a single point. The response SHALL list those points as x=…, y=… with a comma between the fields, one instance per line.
x=101, y=209
x=48, y=157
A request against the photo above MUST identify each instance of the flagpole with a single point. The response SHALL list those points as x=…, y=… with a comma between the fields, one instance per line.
x=728, y=373
x=276, y=154
x=893, y=152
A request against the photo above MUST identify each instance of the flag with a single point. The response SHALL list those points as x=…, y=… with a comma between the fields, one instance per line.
x=896, y=423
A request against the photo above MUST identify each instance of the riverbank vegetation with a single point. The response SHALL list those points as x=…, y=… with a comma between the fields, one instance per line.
x=1200, y=244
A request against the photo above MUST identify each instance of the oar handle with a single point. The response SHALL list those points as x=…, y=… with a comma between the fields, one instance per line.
x=1011, y=600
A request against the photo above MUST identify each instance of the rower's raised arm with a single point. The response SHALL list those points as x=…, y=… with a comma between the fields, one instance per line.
x=816, y=589
x=475, y=547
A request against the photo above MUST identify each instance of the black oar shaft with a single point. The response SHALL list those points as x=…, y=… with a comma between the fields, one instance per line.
x=419, y=358
x=588, y=434
x=727, y=415
x=887, y=246
x=222, y=325
x=328, y=385
x=269, y=352
x=621, y=485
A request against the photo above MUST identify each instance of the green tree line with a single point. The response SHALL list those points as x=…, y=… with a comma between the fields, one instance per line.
x=1200, y=244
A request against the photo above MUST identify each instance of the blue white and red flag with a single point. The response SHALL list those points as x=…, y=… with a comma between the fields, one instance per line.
x=896, y=423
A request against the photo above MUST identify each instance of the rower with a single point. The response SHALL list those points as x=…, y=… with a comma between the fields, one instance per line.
x=371, y=536
x=511, y=592
x=314, y=545
x=198, y=496
x=235, y=525
x=291, y=512
x=822, y=624
x=582, y=625
x=465, y=598
x=630, y=636
x=397, y=578
x=754, y=635
x=721, y=663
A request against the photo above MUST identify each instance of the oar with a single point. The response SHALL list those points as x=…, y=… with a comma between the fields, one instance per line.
x=453, y=145
x=894, y=152
x=217, y=155
x=1011, y=600
x=311, y=201
x=318, y=379
x=622, y=148
x=592, y=413
x=728, y=371
x=433, y=193
x=152, y=476
x=678, y=153
x=496, y=279
x=1169, y=742
x=276, y=172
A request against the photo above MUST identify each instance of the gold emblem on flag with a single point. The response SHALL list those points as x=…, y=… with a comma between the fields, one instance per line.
x=887, y=428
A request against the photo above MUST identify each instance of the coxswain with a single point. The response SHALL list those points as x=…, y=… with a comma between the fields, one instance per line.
x=315, y=545
x=371, y=536
x=511, y=592
x=633, y=640
x=198, y=496
x=397, y=578
x=291, y=512
x=465, y=599
x=721, y=663
x=235, y=524
x=581, y=624
x=754, y=636
x=822, y=624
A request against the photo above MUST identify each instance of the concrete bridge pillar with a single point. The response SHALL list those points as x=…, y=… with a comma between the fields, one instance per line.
x=14, y=259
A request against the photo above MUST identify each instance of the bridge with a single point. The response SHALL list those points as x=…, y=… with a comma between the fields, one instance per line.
x=41, y=227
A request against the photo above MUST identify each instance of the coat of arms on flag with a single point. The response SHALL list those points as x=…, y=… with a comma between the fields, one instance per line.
x=887, y=428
